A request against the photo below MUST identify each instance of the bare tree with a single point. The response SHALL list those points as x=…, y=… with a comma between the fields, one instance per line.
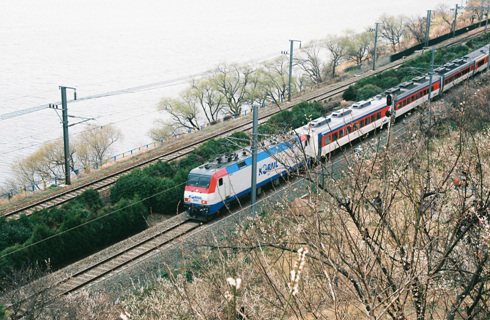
x=256, y=88
x=309, y=59
x=208, y=98
x=20, y=291
x=43, y=164
x=443, y=13
x=184, y=110
x=392, y=29
x=358, y=45
x=275, y=79
x=94, y=143
x=338, y=48
x=28, y=294
x=231, y=82
x=163, y=130
x=416, y=28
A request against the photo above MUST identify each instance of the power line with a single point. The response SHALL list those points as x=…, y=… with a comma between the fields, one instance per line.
x=88, y=222
x=146, y=87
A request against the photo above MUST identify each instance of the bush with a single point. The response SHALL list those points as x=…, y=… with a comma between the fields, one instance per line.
x=72, y=231
x=368, y=91
x=350, y=94
x=14, y=231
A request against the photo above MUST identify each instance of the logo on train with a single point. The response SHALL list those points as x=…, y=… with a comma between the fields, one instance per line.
x=194, y=198
x=268, y=167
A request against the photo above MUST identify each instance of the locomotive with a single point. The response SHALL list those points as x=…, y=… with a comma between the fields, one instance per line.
x=213, y=185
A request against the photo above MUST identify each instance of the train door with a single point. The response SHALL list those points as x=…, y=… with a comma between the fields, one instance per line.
x=224, y=187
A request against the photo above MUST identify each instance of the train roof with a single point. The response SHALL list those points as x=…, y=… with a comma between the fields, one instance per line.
x=238, y=157
x=461, y=63
x=342, y=116
x=362, y=108
x=222, y=161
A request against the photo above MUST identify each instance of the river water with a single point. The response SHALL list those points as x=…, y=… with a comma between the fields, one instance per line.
x=101, y=46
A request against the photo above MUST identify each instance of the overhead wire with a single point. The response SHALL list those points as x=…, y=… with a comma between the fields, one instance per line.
x=90, y=221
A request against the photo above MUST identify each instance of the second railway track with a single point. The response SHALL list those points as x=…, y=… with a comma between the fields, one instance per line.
x=107, y=265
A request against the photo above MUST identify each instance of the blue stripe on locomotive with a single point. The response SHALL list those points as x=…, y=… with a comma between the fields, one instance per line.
x=234, y=168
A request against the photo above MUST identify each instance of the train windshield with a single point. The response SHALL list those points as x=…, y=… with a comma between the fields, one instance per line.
x=198, y=180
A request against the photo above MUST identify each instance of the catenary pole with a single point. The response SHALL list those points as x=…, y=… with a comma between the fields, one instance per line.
x=375, y=45
x=291, y=64
x=427, y=28
x=66, y=143
x=254, y=157
x=455, y=20
x=486, y=22
x=431, y=72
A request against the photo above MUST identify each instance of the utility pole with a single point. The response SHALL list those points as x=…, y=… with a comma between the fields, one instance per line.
x=455, y=20
x=486, y=23
x=427, y=28
x=481, y=17
x=254, y=157
x=431, y=72
x=291, y=64
x=64, y=121
x=375, y=43
x=64, y=109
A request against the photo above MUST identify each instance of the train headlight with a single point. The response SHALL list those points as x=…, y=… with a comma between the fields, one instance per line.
x=204, y=202
x=187, y=200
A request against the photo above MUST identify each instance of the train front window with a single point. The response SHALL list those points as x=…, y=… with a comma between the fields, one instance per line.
x=198, y=180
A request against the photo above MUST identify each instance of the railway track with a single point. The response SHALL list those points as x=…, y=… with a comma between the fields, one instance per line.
x=131, y=254
x=107, y=181
x=104, y=267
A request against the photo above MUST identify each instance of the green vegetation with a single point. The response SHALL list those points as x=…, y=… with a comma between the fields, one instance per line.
x=370, y=86
x=63, y=234
x=84, y=225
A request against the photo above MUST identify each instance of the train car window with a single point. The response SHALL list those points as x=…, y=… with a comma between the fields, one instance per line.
x=220, y=181
x=367, y=121
x=378, y=115
x=355, y=126
x=341, y=133
x=412, y=98
x=198, y=180
x=417, y=96
x=373, y=118
x=241, y=164
x=326, y=140
x=361, y=123
x=349, y=129
x=334, y=136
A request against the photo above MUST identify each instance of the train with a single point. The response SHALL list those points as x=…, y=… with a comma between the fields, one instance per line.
x=226, y=178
